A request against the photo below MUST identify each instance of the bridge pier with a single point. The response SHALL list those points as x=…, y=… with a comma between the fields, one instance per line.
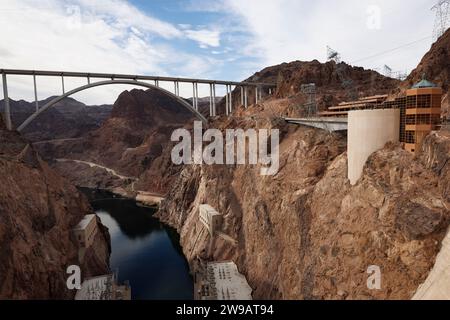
x=231, y=99
x=7, y=119
x=176, y=88
x=256, y=95
x=214, y=100
x=35, y=93
x=63, y=86
x=227, y=107
x=245, y=97
x=195, y=95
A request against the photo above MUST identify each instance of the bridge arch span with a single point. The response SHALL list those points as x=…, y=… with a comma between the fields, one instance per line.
x=104, y=83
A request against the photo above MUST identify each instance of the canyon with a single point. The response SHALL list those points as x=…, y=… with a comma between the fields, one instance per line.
x=304, y=233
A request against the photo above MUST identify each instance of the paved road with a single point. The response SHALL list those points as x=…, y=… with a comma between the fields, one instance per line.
x=91, y=164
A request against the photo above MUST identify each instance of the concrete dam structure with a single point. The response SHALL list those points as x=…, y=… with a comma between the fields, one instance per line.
x=369, y=131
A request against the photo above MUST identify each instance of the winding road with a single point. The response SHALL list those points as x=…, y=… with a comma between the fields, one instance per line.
x=92, y=165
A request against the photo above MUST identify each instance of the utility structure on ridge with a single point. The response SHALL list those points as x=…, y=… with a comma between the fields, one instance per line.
x=310, y=106
x=442, y=21
x=347, y=83
x=103, y=79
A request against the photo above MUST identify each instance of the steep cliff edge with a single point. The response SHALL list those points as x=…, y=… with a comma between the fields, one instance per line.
x=305, y=233
x=38, y=210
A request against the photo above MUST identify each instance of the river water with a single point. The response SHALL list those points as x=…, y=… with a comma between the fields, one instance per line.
x=144, y=251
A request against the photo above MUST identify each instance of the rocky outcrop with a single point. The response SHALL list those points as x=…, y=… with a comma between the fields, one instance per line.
x=38, y=210
x=334, y=83
x=132, y=141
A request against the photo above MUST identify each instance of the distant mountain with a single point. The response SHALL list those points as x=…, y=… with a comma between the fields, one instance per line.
x=334, y=83
x=67, y=119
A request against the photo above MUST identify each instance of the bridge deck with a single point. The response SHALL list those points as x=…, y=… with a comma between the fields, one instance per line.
x=128, y=77
x=325, y=123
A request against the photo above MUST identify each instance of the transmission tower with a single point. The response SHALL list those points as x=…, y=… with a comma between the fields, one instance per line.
x=311, y=105
x=333, y=55
x=347, y=83
x=387, y=71
x=442, y=22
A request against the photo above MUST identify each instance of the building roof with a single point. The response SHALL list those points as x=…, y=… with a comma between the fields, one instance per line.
x=96, y=288
x=211, y=211
x=85, y=222
x=227, y=282
x=424, y=84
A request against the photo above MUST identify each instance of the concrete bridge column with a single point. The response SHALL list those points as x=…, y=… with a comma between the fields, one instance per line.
x=242, y=96
x=175, y=89
x=214, y=100
x=195, y=95
x=245, y=97
x=210, y=100
x=63, y=86
x=256, y=95
x=231, y=100
x=35, y=93
x=227, y=107
x=7, y=113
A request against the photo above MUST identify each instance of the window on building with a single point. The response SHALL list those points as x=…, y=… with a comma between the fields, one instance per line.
x=409, y=137
x=424, y=101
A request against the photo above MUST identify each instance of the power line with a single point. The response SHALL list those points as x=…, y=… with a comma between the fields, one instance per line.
x=391, y=50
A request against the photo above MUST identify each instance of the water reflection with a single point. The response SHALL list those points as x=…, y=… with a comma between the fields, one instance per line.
x=146, y=252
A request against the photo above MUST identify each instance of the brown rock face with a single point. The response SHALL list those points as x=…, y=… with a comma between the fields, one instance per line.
x=38, y=210
x=131, y=142
x=332, y=86
x=306, y=233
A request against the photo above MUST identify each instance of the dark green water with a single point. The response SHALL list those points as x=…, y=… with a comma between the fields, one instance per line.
x=145, y=251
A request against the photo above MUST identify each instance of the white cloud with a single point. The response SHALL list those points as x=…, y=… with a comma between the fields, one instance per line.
x=205, y=38
x=286, y=30
x=242, y=36
x=108, y=36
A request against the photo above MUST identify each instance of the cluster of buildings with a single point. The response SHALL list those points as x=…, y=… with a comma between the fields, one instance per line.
x=374, y=121
x=103, y=287
x=218, y=280
x=221, y=281
x=419, y=111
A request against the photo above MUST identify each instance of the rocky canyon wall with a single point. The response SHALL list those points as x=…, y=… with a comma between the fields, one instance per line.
x=38, y=210
x=305, y=233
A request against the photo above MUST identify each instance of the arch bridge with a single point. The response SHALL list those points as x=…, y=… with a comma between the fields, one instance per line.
x=103, y=79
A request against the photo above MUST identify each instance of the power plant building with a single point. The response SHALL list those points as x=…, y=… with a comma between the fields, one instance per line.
x=210, y=218
x=85, y=231
x=373, y=121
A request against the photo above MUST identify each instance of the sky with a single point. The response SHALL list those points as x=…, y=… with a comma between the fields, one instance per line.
x=223, y=39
